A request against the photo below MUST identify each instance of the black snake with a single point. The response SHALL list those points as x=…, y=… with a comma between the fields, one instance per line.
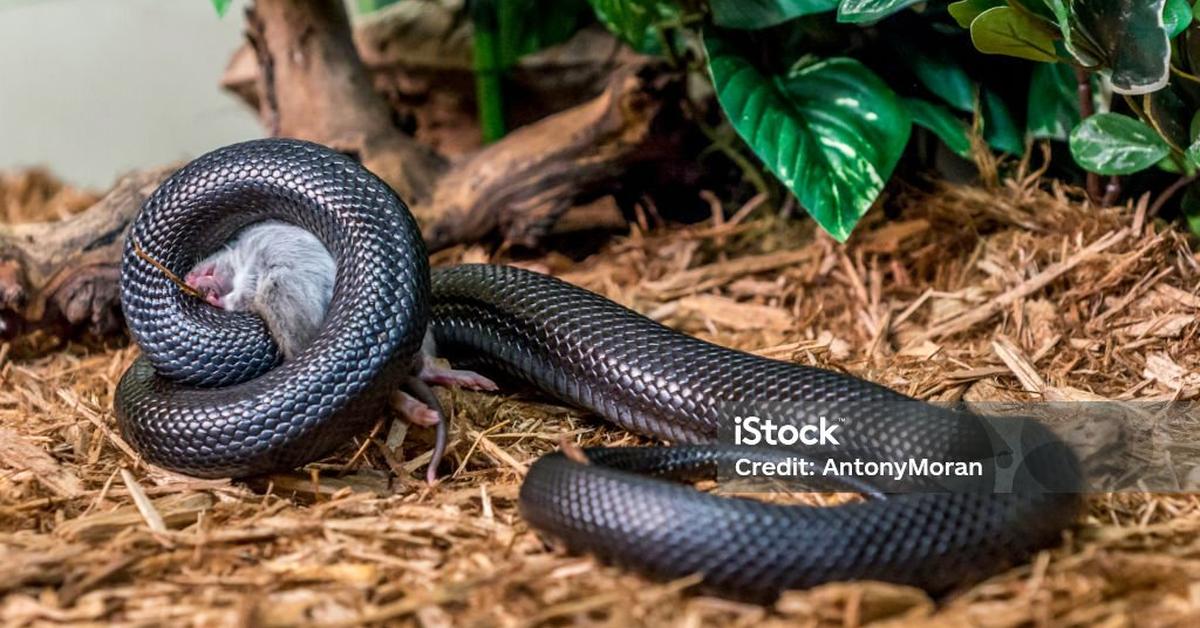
x=210, y=398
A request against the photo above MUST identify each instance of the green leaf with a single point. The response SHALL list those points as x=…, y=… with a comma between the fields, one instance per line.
x=965, y=11
x=758, y=14
x=370, y=6
x=832, y=131
x=634, y=20
x=1170, y=164
x=1007, y=31
x=1187, y=54
x=552, y=23
x=953, y=131
x=941, y=74
x=1053, y=101
x=1193, y=150
x=1193, y=155
x=857, y=11
x=1111, y=143
x=1167, y=113
x=1177, y=14
x=999, y=128
x=1037, y=8
x=1125, y=38
x=222, y=6
x=1061, y=11
x=1190, y=204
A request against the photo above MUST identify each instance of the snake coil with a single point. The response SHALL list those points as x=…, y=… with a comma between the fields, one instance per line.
x=210, y=398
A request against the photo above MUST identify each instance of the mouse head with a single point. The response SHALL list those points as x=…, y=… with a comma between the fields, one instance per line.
x=213, y=279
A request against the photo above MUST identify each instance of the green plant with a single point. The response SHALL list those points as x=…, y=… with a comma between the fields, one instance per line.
x=505, y=31
x=832, y=130
x=1145, y=51
x=827, y=93
x=827, y=126
x=367, y=6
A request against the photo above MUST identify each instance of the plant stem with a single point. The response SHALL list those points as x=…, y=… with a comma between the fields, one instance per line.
x=751, y=172
x=1166, y=194
x=1083, y=89
x=489, y=81
x=1112, y=191
x=1191, y=77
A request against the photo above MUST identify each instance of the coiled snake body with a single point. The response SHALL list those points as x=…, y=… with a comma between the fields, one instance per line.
x=210, y=398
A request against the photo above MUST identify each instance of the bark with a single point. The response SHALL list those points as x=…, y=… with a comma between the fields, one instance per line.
x=418, y=53
x=312, y=85
x=521, y=186
x=63, y=276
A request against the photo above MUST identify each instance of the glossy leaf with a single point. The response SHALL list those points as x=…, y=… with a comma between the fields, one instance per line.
x=832, y=131
x=1177, y=15
x=941, y=74
x=953, y=131
x=1111, y=143
x=756, y=14
x=222, y=6
x=1053, y=101
x=634, y=20
x=1170, y=164
x=965, y=11
x=1079, y=47
x=1193, y=155
x=1169, y=115
x=1037, y=8
x=857, y=11
x=1125, y=38
x=1193, y=151
x=1007, y=31
x=1000, y=130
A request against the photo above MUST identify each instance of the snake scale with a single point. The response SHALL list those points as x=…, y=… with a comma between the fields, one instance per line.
x=209, y=396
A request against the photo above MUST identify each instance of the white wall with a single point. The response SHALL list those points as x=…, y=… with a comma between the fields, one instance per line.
x=94, y=88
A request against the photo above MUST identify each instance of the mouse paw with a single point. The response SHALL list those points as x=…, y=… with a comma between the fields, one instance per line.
x=433, y=373
x=415, y=411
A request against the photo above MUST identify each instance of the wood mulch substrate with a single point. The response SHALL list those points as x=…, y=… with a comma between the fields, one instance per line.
x=1021, y=291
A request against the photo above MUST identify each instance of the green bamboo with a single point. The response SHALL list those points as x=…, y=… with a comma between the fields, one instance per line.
x=489, y=86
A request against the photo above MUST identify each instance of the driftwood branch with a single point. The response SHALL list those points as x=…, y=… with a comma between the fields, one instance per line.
x=419, y=56
x=521, y=186
x=64, y=275
x=314, y=86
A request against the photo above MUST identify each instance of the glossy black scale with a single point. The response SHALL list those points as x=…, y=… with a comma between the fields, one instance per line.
x=209, y=397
